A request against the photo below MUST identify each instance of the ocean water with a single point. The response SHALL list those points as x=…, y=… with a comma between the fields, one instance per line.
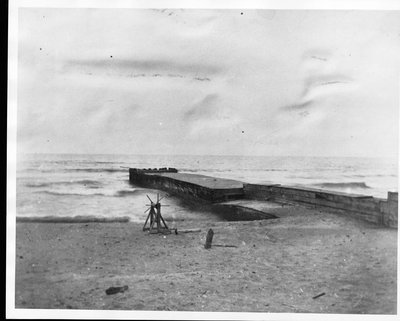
x=71, y=185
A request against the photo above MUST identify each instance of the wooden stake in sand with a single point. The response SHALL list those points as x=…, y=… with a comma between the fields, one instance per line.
x=209, y=238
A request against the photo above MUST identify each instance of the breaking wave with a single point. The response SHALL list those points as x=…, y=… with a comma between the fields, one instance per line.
x=72, y=219
x=78, y=170
x=38, y=184
x=120, y=193
x=85, y=182
x=97, y=170
x=123, y=193
x=361, y=185
x=63, y=193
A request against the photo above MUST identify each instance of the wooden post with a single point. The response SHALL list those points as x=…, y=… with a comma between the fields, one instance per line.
x=209, y=238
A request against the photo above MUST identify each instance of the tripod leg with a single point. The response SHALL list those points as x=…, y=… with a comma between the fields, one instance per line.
x=163, y=221
x=144, y=226
x=159, y=218
x=151, y=214
x=153, y=220
x=158, y=222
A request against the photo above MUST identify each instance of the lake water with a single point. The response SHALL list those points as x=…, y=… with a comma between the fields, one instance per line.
x=97, y=185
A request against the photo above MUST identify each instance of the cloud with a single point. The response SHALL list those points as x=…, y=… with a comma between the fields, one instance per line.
x=324, y=75
x=195, y=78
x=316, y=80
x=206, y=108
x=318, y=85
x=320, y=54
x=167, y=67
x=319, y=58
x=298, y=106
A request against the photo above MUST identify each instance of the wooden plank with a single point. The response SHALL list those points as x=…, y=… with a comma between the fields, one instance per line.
x=193, y=230
x=205, y=181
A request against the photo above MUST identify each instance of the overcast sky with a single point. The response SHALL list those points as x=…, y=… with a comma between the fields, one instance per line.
x=237, y=82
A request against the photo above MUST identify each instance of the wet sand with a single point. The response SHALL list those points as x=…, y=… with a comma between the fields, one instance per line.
x=279, y=265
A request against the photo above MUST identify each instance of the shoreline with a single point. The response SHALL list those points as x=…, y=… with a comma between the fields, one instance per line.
x=279, y=265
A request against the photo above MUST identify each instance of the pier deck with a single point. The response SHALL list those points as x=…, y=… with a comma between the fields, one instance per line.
x=204, y=181
x=200, y=186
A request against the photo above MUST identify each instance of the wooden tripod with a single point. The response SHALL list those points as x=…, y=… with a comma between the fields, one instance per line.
x=156, y=221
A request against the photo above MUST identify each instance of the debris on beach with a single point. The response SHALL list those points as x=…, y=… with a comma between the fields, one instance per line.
x=224, y=245
x=319, y=295
x=116, y=289
x=193, y=230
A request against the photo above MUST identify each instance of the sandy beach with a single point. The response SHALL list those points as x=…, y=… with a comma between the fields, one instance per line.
x=278, y=265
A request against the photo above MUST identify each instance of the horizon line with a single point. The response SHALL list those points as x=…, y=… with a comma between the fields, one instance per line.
x=211, y=155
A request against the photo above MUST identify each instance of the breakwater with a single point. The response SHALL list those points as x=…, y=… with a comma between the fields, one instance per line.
x=376, y=210
x=200, y=186
x=380, y=211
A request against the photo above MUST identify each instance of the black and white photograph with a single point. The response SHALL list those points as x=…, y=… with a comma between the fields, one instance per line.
x=203, y=161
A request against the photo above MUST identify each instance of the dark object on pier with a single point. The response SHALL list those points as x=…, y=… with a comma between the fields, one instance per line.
x=156, y=221
x=153, y=170
x=209, y=238
x=116, y=289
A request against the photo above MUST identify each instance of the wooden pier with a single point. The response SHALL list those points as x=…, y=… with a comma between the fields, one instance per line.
x=255, y=201
x=201, y=186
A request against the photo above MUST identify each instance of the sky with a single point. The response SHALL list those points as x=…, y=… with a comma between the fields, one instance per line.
x=215, y=82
